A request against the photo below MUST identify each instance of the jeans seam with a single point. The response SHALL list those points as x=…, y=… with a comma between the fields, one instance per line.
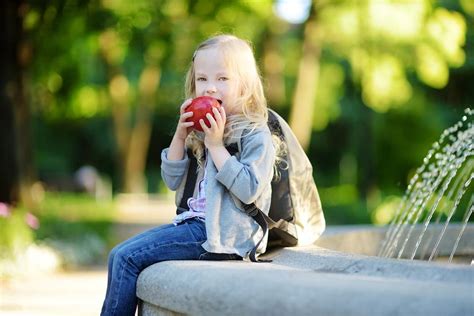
x=192, y=233
x=122, y=270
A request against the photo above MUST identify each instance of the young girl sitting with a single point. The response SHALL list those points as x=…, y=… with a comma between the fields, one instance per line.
x=215, y=226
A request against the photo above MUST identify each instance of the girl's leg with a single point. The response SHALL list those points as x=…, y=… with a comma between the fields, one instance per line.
x=182, y=242
x=124, y=245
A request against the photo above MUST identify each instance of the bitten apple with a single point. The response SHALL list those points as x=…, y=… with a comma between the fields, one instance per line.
x=200, y=106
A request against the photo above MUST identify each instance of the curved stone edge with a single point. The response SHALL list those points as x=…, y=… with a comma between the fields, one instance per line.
x=306, y=281
x=325, y=260
x=367, y=239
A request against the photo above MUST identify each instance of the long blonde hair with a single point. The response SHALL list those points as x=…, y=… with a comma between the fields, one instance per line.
x=239, y=57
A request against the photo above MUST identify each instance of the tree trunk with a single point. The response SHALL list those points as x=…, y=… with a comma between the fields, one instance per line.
x=8, y=164
x=273, y=65
x=17, y=170
x=304, y=98
x=133, y=138
x=139, y=140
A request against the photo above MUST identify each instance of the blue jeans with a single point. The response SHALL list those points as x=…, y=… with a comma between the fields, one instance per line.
x=128, y=259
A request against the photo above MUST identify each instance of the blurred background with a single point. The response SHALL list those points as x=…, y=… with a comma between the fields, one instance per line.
x=90, y=91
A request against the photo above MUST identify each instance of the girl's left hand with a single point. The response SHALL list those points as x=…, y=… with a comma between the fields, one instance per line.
x=215, y=133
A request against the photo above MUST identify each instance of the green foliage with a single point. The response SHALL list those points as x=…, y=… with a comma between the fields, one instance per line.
x=15, y=234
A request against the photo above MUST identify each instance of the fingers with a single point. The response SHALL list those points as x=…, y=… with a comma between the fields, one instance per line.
x=204, y=126
x=222, y=113
x=185, y=105
x=187, y=124
x=212, y=121
x=213, y=125
x=217, y=116
x=186, y=115
x=216, y=121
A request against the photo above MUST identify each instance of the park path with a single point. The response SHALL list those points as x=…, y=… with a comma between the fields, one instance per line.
x=68, y=293
x=78, y=292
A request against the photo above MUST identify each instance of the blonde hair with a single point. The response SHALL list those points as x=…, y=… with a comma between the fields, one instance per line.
x=239, y=57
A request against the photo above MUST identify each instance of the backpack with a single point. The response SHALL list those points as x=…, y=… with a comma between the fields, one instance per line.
x=295, y=216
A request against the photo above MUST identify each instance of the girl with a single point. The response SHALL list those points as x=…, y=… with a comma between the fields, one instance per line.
x=215, y=226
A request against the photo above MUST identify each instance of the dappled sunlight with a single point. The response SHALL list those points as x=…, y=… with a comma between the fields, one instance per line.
x=468, y=6
x=344, y=194
x=87, y=102
x=431, y=67
x=385, y=212
x=342, y=24
x=397, y=21
x=31, y=20
x=447, y=30
x=385, y=83
x=112, y=47
x=125, y=8
x=381, y=38
x=55, y=81
x=149, y=80
x=175, y=8
x=330, y=90
x=119, y=88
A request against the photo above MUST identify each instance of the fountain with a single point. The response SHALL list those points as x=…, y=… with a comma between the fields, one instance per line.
x=423, y=226
x=446, y=174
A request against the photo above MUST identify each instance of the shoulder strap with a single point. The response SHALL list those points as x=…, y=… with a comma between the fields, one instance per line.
x=192, y=175
x=260, y=218
x=190, y=184
x=274, y=125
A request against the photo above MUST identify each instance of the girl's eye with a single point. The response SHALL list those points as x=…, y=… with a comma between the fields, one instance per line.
x=223, y=78
x=201, y=79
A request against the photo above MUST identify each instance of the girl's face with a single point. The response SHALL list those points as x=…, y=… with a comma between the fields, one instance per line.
x=214, y=78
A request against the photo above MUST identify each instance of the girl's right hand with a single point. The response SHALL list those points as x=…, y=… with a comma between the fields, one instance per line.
x=184, y=128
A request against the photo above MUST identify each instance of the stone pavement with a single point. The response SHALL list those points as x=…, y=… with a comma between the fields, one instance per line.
x=72, y=293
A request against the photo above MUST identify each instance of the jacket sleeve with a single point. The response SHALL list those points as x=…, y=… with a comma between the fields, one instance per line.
x=248, y=176
x=173, y=171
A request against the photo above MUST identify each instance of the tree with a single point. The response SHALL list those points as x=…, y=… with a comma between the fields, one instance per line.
x=383, y=42
x=16, y=162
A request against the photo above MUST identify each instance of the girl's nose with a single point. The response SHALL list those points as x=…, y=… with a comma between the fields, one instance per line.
x=211, y=88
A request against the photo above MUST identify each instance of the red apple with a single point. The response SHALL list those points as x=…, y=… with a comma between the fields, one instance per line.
x=200, y=106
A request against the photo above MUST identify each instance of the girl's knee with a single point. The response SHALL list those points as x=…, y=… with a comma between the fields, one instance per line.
x=113, y=252
x=120, y=255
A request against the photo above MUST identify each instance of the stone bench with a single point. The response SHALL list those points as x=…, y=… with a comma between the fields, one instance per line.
x=307, y=281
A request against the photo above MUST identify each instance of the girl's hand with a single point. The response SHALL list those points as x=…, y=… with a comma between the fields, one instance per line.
x=214, y=135
x=184, y=128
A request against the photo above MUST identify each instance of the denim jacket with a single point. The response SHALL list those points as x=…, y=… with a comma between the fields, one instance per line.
x=245, y=178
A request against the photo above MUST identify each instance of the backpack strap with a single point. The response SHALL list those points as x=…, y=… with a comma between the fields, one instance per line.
x=190, y=183
x=191, y=178
x=261, y=219
x=274, y=125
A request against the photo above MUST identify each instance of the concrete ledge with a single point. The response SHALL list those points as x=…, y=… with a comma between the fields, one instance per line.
x=366, y=239
x=307, y=281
